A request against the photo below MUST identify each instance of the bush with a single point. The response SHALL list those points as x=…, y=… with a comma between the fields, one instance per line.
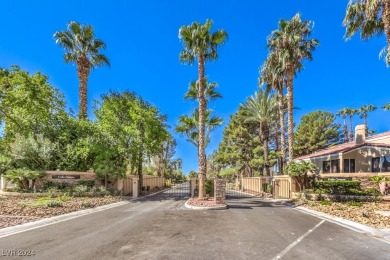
x=325, y=202
x=89, y=183
x=52, y=192
x=87, y=204
x=354, y=204
x=53, y=203
x=337, y=187
x=209, y=186
x=65, y=197
x=80, y=190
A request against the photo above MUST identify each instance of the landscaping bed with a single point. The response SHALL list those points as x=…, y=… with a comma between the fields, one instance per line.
x=19, y=210
x=206, y=202
x=362, y=212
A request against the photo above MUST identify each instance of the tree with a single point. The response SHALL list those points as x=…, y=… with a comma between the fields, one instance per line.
x=241, y=147
x=292, y=45
x=133, y=126
x=299, y=171
x=209, y=91
x=371, y=18
x=343, y=113
x=363, y=114
x=316, y=131
x=351, y=112
x=199, y=43
x=272, y=74
x=189, y=126
x=83, y=49
x=262, y=108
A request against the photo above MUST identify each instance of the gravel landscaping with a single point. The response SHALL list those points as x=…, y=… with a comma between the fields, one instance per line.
x=19, y=210
x=207, y=202
x=365, y=213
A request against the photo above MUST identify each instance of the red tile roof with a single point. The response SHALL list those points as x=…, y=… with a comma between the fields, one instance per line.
x=340, y=148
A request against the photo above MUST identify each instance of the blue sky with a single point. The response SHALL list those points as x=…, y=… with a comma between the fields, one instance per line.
x=143, y=47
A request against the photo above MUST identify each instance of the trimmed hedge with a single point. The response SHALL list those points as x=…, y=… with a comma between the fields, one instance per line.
x=337, y=187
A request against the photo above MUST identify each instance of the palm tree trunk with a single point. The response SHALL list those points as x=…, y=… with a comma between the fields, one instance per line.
x=386, y=20
x=351, y=130
x=365, y=123
x=345, y=130
x=264, y=135
x=290, y=107
x=201, y=143
x=282, y=130
x=277, y=144
x=83, y=70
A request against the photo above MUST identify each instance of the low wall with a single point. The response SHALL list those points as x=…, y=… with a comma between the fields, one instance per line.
x=69, y=177
x=363, y=177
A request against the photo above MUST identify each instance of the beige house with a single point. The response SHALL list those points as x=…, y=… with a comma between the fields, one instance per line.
x=367, y=155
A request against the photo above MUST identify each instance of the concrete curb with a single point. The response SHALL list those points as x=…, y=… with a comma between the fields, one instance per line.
x=188, y=206
x=383, y=234
x=4, y=232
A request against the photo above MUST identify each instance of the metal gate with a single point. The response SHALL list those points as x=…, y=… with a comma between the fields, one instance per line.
x=247, y=187
x=170, y=190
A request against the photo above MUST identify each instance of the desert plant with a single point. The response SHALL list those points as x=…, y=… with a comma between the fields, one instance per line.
x=53, y=203
x=325, y=202
x=80, y=190
x=209, y=185
x=87, y=204
x=354, y=203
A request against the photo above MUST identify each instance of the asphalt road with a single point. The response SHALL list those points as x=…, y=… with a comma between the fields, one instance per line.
x=163, y=229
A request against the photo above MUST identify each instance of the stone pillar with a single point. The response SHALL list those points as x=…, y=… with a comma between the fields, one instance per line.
x=219, y=191
x=193, y=187
x=135, y=182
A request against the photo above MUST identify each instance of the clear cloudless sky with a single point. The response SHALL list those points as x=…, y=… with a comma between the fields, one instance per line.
x=143, y=47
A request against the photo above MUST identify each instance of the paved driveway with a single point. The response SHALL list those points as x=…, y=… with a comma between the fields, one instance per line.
x=164, y=229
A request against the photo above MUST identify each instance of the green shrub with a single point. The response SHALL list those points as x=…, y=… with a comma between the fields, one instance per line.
x=89, y=183
x=325, y=202
x=65, y=197
x=337, y=187
x=80, y=190
x=87, y=204
x=209, y=186
x=53, y=203
x=52, y=192
x=354, y=203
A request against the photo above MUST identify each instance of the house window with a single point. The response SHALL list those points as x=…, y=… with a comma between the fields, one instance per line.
x=375, y=164
x=349, y=165
x=332, y=166
x=385, y=160
x=335, y=166
x=326, y=166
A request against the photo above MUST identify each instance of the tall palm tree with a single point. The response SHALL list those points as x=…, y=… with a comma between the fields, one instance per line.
x=364, y=110
x=351, y=112
x=83, y=49
x=273, y=76
x=343, y=113
x=189, y=126
x=371, y=18
x=262, y=108
x=292, y=45
x=200, y=44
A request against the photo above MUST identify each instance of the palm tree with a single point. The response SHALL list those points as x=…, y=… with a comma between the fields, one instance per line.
x=209, y=91
x=363, y=114
x=83, y=49
x=351, y=112
x=386, y=107
x=371, y=18
x=189, y=126
x=343, y=113
x=272, y=74
x=292, y=45
x=200, y=44
x=262, y=108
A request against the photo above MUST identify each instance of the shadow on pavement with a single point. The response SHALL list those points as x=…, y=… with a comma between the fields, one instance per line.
x=250, y=203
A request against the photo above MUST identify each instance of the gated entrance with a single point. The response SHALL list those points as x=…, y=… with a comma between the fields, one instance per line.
x=281, y=187
x=168, y=190
x=248, y=187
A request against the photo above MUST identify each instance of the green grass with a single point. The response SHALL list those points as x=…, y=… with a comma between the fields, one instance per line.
x=354, y=203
